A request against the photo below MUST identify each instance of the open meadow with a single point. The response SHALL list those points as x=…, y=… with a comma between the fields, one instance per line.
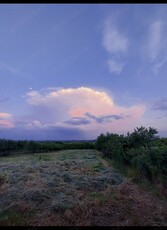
x=72, y=188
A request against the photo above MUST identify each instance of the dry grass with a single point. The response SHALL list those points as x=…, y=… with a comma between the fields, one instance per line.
x=73, y=187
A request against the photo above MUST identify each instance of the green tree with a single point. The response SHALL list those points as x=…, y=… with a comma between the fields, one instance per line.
x=142, y=137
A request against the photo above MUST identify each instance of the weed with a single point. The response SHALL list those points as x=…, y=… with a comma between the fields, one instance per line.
x=99, y=196
x=97, y=167
x=44, y=158
x=13, y=217
x=134, y=219
x=3, y=178
x=132, y=173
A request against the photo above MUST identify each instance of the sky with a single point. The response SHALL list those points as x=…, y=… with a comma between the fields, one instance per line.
x=74, y=71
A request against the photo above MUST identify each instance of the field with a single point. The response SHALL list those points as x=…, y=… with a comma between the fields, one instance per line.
x=72, y=188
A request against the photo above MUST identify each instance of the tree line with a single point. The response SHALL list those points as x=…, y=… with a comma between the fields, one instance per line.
x=9, y=147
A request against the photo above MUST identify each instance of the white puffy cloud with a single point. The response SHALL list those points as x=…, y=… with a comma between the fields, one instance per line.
x=92, y=111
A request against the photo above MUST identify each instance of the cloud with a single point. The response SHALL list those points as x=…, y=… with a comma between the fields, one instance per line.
x=160, y=105
x=158, y=65
x=74, y=102
x=101, y=119
x=113, y=40
x=77, y=121
x=155, y=39
x=6, y=120
x=69, y=113
x=116, y=44
x=115, y=67
x=92, y=111
x=13, y=70
x=156, y=44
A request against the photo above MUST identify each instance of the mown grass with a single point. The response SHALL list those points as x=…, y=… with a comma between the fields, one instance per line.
x=156, y=189
x=12, y=217
x=72, y=187
x=51, y=180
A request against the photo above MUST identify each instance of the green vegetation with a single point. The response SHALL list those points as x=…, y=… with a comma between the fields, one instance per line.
x=97, y=167
x=9, y=147
x=50, y=184
x=73, y=188
x=141, y=154
x=15, y=216
x=99, y=196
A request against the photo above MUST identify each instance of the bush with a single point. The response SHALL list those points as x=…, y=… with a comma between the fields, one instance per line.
x=111, y=145
x=141, y=150
x=143, y=166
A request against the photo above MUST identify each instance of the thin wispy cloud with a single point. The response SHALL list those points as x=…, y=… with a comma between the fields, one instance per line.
x=113, y=40
x=159, y=64
x=116, y=44
x=156, y=45
x=13, y=70
x=155, y=40
x=114, y=66
x=160, y=104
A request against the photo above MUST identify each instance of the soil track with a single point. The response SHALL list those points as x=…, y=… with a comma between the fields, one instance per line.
x=72, y=187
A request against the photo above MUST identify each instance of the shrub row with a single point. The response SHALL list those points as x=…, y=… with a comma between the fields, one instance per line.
x=141, y=150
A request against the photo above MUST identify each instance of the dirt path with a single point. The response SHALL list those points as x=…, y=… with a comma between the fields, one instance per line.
x=73, y=187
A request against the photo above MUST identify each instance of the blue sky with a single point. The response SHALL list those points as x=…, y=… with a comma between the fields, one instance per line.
x=73, y=71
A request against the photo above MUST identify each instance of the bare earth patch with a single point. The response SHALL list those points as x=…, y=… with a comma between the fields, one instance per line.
x=72, y=187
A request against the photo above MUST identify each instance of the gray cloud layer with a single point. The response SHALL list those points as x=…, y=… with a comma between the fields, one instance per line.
x=77, y=121
x=90, y=117
x=101, y=119
x=161, y=104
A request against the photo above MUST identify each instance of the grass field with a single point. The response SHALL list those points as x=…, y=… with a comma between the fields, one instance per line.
x=72, y=188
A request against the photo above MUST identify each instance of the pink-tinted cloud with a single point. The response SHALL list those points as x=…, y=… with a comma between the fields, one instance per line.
x=91, y=110
x=6, y=120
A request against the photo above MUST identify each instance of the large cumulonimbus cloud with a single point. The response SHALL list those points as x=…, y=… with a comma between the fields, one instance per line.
x=91, y=111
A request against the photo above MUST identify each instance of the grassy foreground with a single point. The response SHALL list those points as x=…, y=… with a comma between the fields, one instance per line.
x=72, y=187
